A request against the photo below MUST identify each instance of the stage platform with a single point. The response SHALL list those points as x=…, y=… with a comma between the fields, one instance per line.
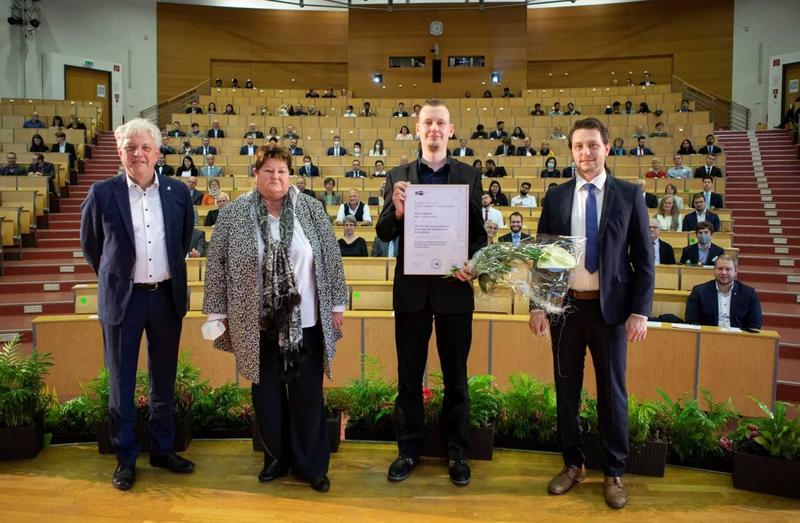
x=72, y=483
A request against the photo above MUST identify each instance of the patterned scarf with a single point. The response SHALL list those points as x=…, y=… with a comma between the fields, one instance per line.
x=280, y=316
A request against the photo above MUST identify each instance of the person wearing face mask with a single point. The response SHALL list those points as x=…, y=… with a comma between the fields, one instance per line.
x=550, y=170
x=524, y=199
x=337, y=149
x=704, y=252
x=308, y=168
x=356, y=149
x=710, y=147
x=701, y=214
x=723, y=301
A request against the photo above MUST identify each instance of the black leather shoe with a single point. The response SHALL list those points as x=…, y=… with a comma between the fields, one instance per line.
x=124, y=476
x=459, y=472
x=321, y=483
x=400, y=468
x=172, y=462
x=272, y=471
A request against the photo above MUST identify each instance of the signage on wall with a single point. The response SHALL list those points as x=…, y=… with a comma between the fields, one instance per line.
x=794, y=85
x=116, y=97
x=776, y=62
x=116, y=68
x=88, y=63
x=101, y=91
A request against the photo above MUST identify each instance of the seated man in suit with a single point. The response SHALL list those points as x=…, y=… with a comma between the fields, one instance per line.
x=382, y=249
x=571, y=110
x=650, y=199
x=354, y=207
x=556, y=111
x=197, y=249
x=505, y=148
x=61, y=146
x=39, y=167
x=176, y=130
x=516, y=234
x=710, y=147
x=499, y=132
x=709, y=169
x=700, y=214
x=380, y=170
x=641, y=148
x=537, y=110
x=249, y=148
x=569, y=170
x=525, y=149
x=684, y=106
x=294, y=149
x=196, y=196
x=300, y=183
x=214, y=131
x=205, y=147
x=209, y=169
x=462, y=149
x=194, y=108
x=330, y=196
x=165, y=147
x=11, y=168
x=357, y=172
x=647, y=80
x=337, y=149
x=663, y=252
x=723, y=301
x=161, y=168
x=252, y=130
x=704, y=252
x=713, y=200
x=308, y=168
x=401, y=110
x=558, y=134
x=290, y=133
x=221, y=200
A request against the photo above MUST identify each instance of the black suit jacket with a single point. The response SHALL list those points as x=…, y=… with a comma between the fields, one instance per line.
x=199, y=150
x=352, y=174
x=691, y=254
x=457, y=152
x=107, y=241
x=219, y=134
x=69, y=149
x=705, y=150
x=198, y=242
x=717, y=201
x=627, y=268
x=166, y=170
x=256, y=134
x=211, y=218
x=651, y=200
x=507, y=237
x=444, y=295
x=196, y=197
x=690, y=221
x=342, y=151
x=523, y=151
x=497, y=135
x=243, y=150
x=297, y=151
x=499, y=150
x=633, y=152
x=716, y=172
x=666, y=254
x=702, y=307
x=313, y=171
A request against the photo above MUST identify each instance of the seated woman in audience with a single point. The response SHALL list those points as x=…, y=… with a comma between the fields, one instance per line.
x=187, y=168
x=213, y=214
x=545, y=150
x=618, y=149
x=478, y=165
x=479, y=133
x=348, y=112
x=643, y=108
x=377, y=148
x=349, y=244
x=498, y=196
x=229, y=109
x=518, y=133
x=58, y=122
x=686, y=148
x=656, y=170
x=668, y=215
x=38, y=145
x=672, y=190
x=273, y=133
x=212, y=192
x=487, y=94
x=550, y=170
x=212, y=108
x=493, y=171
x=404, y=134
x=235, y=83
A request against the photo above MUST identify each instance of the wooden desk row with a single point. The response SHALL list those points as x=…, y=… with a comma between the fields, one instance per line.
x=677, y=360
x=23, y=136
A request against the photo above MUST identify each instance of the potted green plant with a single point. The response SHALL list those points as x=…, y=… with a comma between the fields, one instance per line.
x=767, y=457
x=24, y=399
x=224, y=412
x=528, y=416
x=369, y=405
x=72, y=421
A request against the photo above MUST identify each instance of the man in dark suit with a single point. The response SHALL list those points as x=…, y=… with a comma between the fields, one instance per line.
x=135, y=234
x=197, y=247
x=505, y=148
x=300, y=183
x=663, y=252
x=610, y=297
x=709, y=169
x=194, y=195
x=194, y=108
x=641, y=148
x=700, y=214
x=650, y=199
x=205, y=147
x=214, y=131
x=713, y=200
x=420, y=301
x=308, y=168
x=249, y=148
x=161, y=168
x=294, y=149
x=166, y=148
x=499, y=132
x=357, y=172
x=516, y=235
x=704, y=252
x=337, y=149
x=61, y=146
x=462, y=149
x=710, y=147
x=252, y=130
x=723, y=301
x=176, y=130
x=525, y=149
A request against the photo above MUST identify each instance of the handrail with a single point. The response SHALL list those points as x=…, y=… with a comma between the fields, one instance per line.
x=159, y=114
x=725, y=114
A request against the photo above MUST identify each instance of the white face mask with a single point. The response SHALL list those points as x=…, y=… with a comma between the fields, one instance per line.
x=357, y=149
x=336, y=143
x=307, y=164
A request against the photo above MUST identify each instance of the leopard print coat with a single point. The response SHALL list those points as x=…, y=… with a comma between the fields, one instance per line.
x=232, y=275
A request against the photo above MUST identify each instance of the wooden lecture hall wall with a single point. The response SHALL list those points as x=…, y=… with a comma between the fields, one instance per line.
x=340, y=49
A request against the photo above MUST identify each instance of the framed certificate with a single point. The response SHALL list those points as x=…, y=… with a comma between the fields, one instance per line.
x=436, y=229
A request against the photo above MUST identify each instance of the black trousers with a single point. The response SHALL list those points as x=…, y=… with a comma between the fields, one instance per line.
x=581, y=327
x=453, y=339
x=291, y=415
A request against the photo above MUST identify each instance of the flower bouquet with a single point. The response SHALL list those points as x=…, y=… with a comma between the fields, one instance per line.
x=537, y=269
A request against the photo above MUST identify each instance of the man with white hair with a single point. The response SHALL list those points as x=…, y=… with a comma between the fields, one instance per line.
x=136, y=229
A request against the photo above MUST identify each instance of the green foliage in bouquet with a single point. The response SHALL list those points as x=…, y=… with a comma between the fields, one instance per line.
x=23, y=394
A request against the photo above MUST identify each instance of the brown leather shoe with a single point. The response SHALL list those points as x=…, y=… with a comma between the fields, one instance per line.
x=566, y=479
x=616, y=493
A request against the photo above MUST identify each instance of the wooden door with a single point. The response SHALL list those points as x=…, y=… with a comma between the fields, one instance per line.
x=791, y=75
x=86, y=84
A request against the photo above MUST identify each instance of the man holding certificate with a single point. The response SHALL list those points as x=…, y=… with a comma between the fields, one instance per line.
x=433, y=206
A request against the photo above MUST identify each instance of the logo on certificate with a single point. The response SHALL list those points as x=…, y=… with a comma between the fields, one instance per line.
x=419, y=193
x=436, y=263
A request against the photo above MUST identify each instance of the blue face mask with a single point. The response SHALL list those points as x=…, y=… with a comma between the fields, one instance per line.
x=703, y=238
x=551, y=165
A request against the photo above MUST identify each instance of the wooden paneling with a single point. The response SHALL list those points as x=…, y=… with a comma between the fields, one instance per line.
x=81, y=84
x=282, y=74
x=498, y=34
x=699, y=37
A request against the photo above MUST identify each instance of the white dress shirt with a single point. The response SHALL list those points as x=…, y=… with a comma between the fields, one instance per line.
x=367, y=217
x=151, y=265
x=492, y=214
x=526, y=201
x=724, y=307
x=656, y=252
x=580, y=279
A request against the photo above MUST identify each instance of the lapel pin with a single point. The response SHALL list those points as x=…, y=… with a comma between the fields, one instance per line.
x=169, y=188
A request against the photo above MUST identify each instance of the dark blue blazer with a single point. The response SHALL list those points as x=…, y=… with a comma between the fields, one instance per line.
x=690, y=221
x=627, y=265
x=342, y=151
x=702, y=307
x=108, y=243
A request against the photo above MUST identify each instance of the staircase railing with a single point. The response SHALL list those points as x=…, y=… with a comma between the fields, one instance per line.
x=725, y=114
x=159, y=114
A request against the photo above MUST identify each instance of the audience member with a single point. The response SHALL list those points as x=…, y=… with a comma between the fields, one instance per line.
x=638, y=133
x=507, y=93
x=415, y=112
x=650, y=199
x=570, y=170
x=249, y=147
x=518, y=133
x=558, y=134
x=308, y=168
x=684, y=108
x=477, y=164
x=75, y=123
x=196, y=196
x=487, y=94
x=349, y=244
x=161, y=168
x=499, y=131
x=197, y=247
x=525, y=149
x=377, y=149
x=211, y=218
x=537, y=110
x=516, y=235
x=37, y=144
x=213, y=190
x=187, y=168
x=641, y=148
x=550, y=170
x=300, y=183
x=571, y=110
x=330, y=196
x=354, y=207
x=337, y=149
x=668, y=215
x=11, y=168
x=212, y=108
x=724, y=301
x=186, y=147
x=176, y=130
x=205, y=147
x=490, y=214
x=401, y=111
x=214, y=131
x=491, y=231
x=34, y=122
x=618, y=149
x=380, y=170
x=290, y=133
x=61, y=146
x=229, y=110
x=662, y=251
x=165, y=147
x=209, y=169
x=195, y=131
x=704, y=252
x=710, y=147
x=524, y=199
x=686, y=148
x=678, y=170
x=656, y=170
x=493, y=170
x=252, y=130
x=294, y=149
x=58, y=122
x=659, y=132
x=39, y=167
x=356, y=149
x=643, y=108
x=498, y=197
x=628, y=108
x=647, y=81
x=708, y=169
x=348, y=112
x=505, y=148
x=672, y=190
x=462, y=149
x=544, y=150
x=556, y=110
x=366, y=110
x=404, y=134
x=356, y=171
x=713, y=200
x=194, y=108
x=479, y=133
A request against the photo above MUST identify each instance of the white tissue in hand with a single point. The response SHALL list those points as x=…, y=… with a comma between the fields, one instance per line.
x=213, y=330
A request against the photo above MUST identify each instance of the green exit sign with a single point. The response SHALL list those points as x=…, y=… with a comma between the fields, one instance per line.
x=88, y=63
